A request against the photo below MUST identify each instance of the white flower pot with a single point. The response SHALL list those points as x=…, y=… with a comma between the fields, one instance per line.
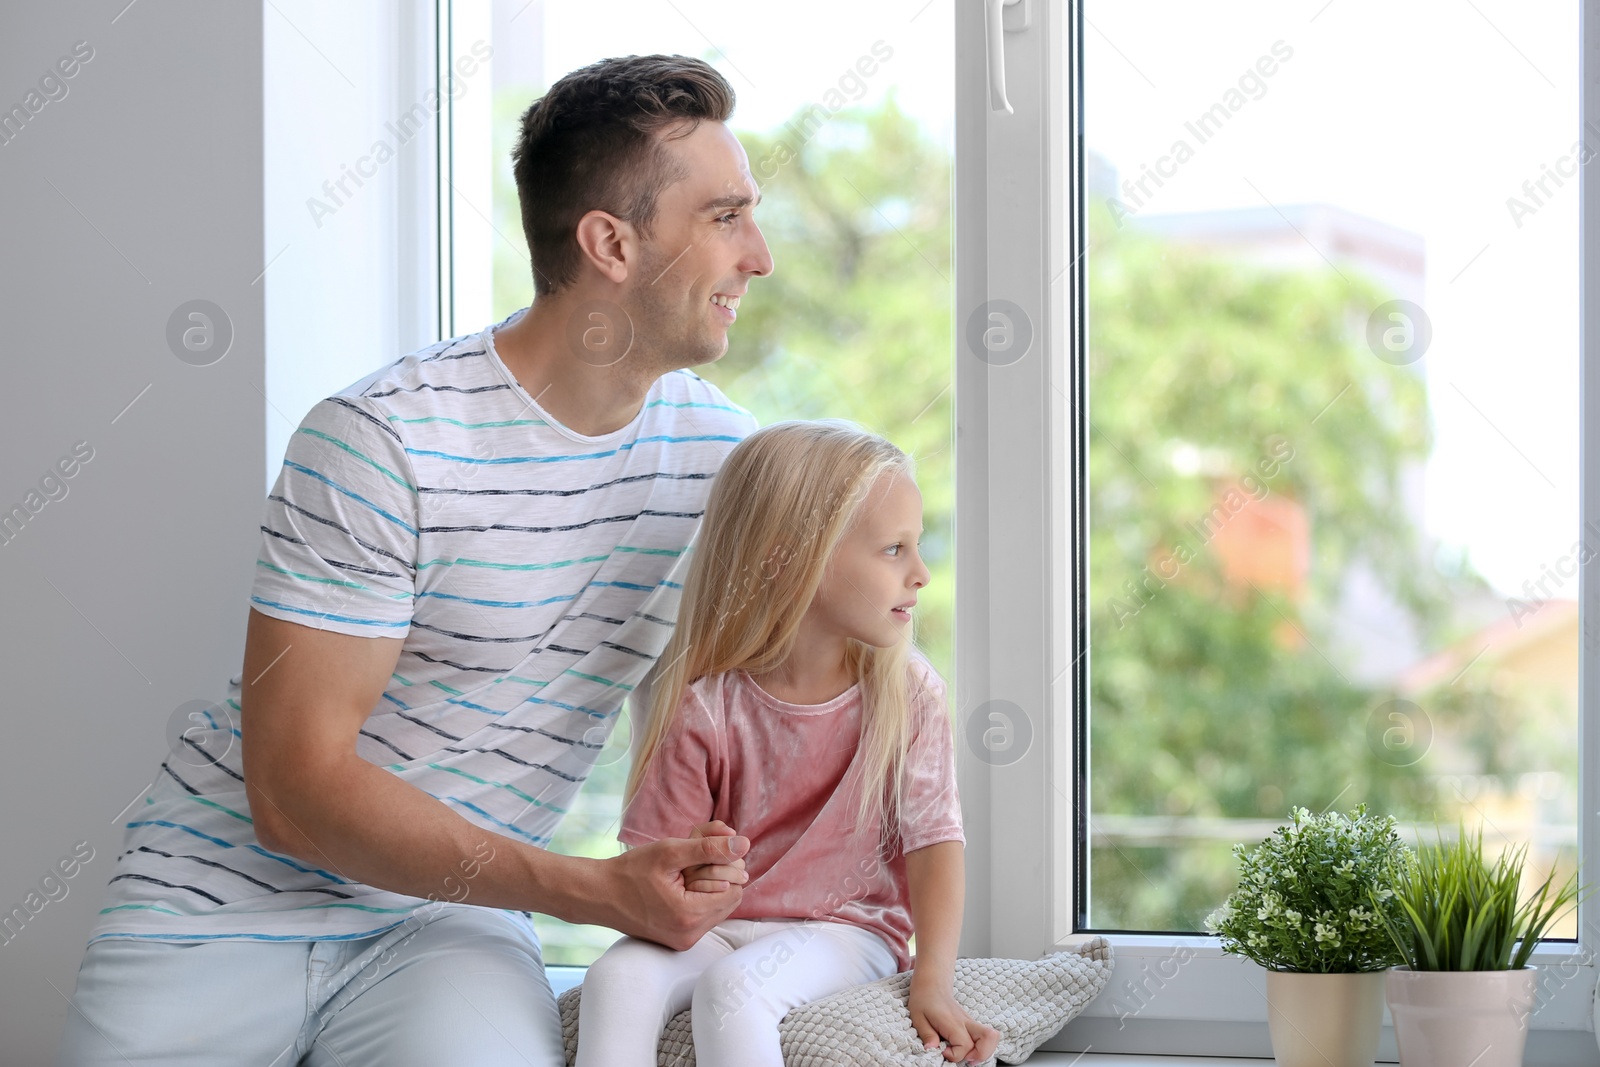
x=1325, y=1020
x=1452, y=1018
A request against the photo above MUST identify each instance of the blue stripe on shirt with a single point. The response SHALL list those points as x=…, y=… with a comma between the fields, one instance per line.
x=327, y=615
x=497, y=460
x=357, y=497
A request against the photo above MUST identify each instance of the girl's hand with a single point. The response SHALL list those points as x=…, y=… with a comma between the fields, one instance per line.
x=936, y=1015
x=709, y=877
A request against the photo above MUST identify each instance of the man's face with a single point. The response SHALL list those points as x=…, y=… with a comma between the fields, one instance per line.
x=704, y=250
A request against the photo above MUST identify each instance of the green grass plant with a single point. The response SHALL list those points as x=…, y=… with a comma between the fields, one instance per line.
x=1458, y=912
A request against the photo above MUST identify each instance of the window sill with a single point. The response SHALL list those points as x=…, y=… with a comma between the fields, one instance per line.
x=1043, y=1059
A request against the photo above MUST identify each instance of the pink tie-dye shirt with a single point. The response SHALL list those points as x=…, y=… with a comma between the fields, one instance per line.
x=776, y=772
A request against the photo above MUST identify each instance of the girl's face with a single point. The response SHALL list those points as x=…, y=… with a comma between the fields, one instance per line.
x=870, y=584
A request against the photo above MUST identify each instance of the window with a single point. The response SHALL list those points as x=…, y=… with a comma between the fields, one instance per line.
x=1186, y=600
x=1268, y=444
x=846, y=117
x=1333, y=435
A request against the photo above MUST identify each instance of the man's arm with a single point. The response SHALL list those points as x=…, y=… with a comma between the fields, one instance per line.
x=307, y=693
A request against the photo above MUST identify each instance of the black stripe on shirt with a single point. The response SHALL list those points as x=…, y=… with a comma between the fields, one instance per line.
x=440, y=357
x=519, y=761
x=170, y=885
x=424, y=725
x=565, y=492
x=437, y=389
x=362, y=570
x=591, y=615
x=192, y=790
x=625, y=648
x=474, y=637
x=221, y=867
x=223, y=767
x=386, y=744
x=507, y=527
x=576, y=742
x=408, y=565
x=452, y=663
x=369, y=416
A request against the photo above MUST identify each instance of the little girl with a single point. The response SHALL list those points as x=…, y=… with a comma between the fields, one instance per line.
x=791, y=705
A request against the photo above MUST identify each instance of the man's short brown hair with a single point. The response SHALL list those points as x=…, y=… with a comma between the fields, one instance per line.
x=591, y=143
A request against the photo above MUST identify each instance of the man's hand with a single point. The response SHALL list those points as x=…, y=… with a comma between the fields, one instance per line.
x=714, y=877
x=936, y=1014
x=646, y=895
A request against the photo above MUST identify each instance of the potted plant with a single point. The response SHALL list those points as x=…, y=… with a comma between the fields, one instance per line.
x=1465, y=989
x=1312, y=906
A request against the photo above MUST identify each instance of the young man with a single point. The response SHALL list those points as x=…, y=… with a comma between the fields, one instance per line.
x=469, y=560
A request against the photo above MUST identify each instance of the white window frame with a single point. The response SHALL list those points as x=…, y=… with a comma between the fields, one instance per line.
x=466, y=172
x=1020, y=579
x=1021, y=595
x=350, y=275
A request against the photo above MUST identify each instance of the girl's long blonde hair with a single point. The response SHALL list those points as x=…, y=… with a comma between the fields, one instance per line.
x=780, y=504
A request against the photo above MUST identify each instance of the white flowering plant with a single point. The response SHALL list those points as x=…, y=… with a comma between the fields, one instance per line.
x=1317, y=896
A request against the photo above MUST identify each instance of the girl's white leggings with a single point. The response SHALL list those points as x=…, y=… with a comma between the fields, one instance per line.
x=740, y=979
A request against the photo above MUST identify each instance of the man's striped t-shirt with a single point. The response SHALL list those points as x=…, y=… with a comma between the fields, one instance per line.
x=533, y=574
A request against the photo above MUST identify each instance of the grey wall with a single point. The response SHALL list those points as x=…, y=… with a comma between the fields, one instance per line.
x=136, y=192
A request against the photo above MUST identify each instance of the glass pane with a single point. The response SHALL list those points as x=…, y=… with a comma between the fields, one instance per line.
x=847, y=117
x=1333, y=459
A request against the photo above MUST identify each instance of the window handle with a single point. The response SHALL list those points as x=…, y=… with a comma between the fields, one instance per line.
x=995, y=29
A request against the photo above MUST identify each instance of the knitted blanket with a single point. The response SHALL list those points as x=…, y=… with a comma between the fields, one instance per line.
x=869, y=1025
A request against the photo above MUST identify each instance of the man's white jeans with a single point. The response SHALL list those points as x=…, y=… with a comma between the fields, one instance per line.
x=466, y=987
x=740, y=979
